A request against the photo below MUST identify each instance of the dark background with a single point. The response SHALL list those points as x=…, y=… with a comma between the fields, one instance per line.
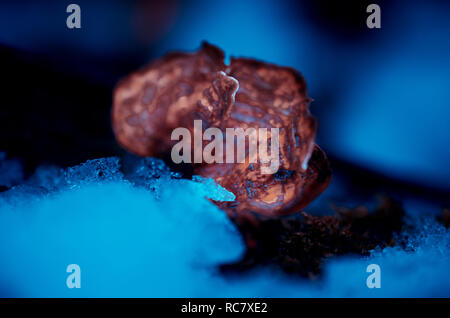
x=381, y=95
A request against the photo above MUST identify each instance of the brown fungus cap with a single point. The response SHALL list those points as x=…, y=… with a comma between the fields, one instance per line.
x=179, y=88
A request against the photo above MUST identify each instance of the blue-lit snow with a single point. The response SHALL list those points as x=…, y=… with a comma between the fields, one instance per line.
x=139, y=230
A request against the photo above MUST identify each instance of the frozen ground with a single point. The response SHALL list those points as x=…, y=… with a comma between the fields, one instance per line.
x=138, y=230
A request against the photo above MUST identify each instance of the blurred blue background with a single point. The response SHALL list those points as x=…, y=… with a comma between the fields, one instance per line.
x=381, y=95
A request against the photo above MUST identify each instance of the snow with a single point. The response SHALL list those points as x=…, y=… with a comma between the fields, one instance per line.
x=138, y=230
